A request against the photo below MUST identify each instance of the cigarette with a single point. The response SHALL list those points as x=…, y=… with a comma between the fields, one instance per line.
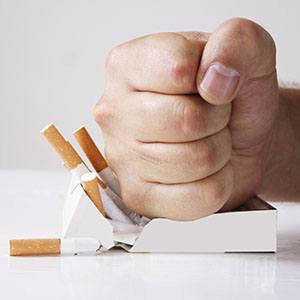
x=90, y=185
x=66, y=152
x=35, y=247
x=63, y=148
x=90, y=149
x=96, y=158
x=105, y=172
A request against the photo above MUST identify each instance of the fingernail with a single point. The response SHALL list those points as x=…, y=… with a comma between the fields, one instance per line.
x=220, y=81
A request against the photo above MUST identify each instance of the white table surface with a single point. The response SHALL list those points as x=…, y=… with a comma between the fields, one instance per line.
x=30, y=206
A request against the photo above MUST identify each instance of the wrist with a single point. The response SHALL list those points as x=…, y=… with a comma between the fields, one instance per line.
x=281, y=170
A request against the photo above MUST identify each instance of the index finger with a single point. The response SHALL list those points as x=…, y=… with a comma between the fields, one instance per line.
x=163, y=63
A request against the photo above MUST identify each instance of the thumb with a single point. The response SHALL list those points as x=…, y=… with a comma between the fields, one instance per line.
x=239, y=50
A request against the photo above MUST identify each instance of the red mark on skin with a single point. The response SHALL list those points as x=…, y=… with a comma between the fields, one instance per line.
x=178, y=71
x=183, y=75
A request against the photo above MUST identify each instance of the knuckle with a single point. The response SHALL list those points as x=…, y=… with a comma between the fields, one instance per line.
x=245, y=27
x=181, y=72
x=127, y=192
x=209, y=156
x=115, y=157
x=221, y=188
x=188, y=118
x=102, y=112
x=218, y=195
x=134, y=194
x=215, y=150
x=183, y=62
x=128, y=197
x=251, y=33
x=113, y=58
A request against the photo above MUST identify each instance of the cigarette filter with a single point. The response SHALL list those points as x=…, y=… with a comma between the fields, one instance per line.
x=90, y=149
x=34, y=247
x=90, y=185
x=63, y=148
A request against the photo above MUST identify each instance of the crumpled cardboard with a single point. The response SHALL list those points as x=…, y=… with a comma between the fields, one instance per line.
x=251, y=228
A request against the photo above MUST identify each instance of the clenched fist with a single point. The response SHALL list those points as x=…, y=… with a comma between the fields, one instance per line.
x=187, y=118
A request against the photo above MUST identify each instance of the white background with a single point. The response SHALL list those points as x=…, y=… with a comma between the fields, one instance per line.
x=52, y=55
x=34, y=210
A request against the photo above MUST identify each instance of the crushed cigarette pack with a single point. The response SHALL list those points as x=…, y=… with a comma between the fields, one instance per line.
x=100, y=214
x=251, y=228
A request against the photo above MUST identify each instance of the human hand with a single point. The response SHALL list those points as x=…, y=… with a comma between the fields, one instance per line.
x=187, y=118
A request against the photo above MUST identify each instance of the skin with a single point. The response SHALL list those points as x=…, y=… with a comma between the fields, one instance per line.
x=183, y=149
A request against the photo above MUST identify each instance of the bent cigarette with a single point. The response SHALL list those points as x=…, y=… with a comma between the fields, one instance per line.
x=90, y=185
x=90, y=149
x=113, y=190
x=63, y=148
x=66, y=152
x=34, y=247
x=96, y=158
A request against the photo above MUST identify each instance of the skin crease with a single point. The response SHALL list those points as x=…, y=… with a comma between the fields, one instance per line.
x=178, y=150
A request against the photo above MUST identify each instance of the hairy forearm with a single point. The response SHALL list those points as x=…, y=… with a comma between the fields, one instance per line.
x=281, y=180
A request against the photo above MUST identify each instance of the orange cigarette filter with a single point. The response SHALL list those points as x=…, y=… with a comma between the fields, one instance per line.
x=90, y=185
x=90, y=149
x=34, y=247
x=63, y=148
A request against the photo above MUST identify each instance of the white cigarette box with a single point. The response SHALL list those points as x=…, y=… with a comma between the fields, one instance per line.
x=251, y=228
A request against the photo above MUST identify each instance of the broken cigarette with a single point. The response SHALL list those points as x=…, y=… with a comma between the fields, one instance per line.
x=96, y=158
x=90, y=185
x=105, y=172
x=34, y=247
x=66, y=152
x=90, y=149
x=63, y=148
